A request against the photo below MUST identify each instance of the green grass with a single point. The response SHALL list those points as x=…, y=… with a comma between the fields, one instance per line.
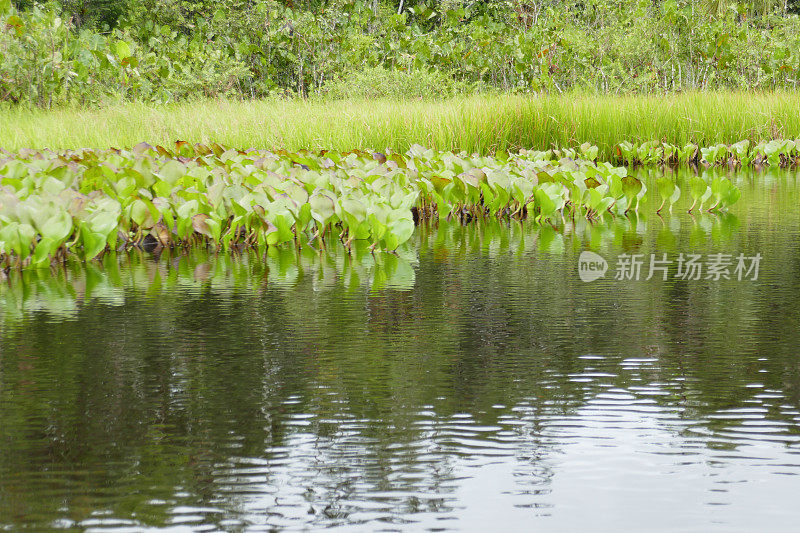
x=477, y=124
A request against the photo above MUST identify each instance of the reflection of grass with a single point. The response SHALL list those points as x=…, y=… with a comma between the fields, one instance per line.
x=474, y=123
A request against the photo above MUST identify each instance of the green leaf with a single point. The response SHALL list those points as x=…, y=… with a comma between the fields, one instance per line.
x=665, y=187
x=41, y=254
x=17, y=238
x=676, y=194
x=93, y=243
x=731, y=196
x=14, y=21
x=631, y=186
x=57, y=228
x=323, y=207
x=402, y=229
x=172, y=171
x=200, y=224
x=545, y=203
x=284, y=226
x=141, y=215
x=122, y=50
x=697, y=187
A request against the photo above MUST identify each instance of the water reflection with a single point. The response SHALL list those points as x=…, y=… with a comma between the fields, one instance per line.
x=60, y=290
x=472, y=381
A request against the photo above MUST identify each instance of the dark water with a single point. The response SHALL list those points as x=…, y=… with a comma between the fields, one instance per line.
x=472, y=383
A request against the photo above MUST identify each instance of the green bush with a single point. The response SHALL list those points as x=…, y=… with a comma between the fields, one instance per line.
x=46, y=61
x=167, y=50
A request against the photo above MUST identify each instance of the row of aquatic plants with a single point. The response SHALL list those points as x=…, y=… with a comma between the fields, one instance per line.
x=781, y=153
x=784, y=153
x=84, y=202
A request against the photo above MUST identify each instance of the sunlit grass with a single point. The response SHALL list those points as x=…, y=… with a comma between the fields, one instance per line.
x=477, y=123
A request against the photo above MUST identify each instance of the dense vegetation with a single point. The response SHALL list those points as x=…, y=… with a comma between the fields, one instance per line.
x=96, y=51
x=86, y=202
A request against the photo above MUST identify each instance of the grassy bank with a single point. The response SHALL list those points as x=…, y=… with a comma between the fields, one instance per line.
x=479, y=123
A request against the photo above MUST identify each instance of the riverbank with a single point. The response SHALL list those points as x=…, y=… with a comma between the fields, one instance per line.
x=476, y=124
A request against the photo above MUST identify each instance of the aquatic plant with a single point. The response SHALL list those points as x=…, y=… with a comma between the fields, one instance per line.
x=783, y=153
x=83, y=202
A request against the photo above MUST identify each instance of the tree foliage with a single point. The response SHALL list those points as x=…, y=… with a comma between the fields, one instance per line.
x=92, y=51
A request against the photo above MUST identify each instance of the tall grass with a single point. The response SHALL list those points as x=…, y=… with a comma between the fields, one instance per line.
x=475, y=123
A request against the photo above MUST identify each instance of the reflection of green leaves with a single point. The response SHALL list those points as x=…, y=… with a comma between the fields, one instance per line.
x=550, y=241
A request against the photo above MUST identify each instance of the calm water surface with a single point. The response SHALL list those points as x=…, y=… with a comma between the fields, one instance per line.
x=472, y=382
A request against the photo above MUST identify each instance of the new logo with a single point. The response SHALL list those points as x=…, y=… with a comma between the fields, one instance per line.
x=591, y=266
